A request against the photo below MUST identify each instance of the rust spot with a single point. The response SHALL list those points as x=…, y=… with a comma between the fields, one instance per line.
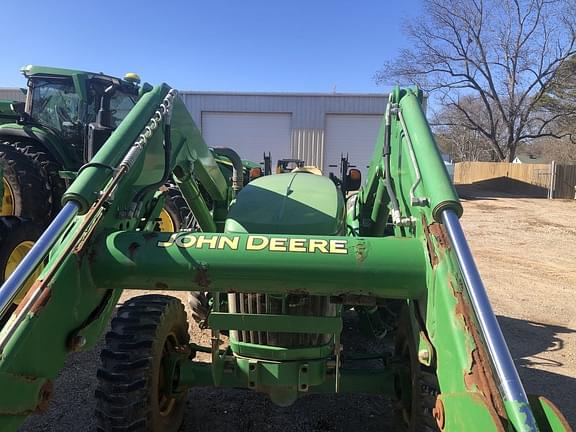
x=31, y=291
x=361, y=252
x=42, y=300
x=437, y=230
x=481, y=374
x=202, y=278
x=429, y=244
x=132, y=249
x=44, y=396
x=161, y=285
x=438, y=413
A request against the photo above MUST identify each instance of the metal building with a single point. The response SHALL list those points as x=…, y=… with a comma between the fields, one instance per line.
x=315, y=127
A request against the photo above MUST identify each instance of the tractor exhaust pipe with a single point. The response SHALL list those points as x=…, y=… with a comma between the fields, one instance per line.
x=511, y=386
x=237, y=167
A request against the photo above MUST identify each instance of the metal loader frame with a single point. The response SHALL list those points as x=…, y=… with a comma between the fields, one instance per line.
x=403, y=241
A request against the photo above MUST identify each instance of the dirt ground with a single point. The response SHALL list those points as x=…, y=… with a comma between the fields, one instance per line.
x=526, y=252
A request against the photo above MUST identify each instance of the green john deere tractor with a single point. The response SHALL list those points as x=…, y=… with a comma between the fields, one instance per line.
x=67, y=116
x=282, y=257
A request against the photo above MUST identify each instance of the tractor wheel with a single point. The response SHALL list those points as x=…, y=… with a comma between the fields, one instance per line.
x=17, y=236
x=26, y=188
x=416, y=396
x=46, y=164
x=132, y=389
x=175, y=215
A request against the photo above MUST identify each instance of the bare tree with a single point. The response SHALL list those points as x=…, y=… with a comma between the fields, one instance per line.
x=561, y=151
x=561, y=97
x=461, y=142
x=504, y=53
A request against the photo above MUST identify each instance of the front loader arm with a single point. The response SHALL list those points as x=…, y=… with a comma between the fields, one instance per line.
x=64, y=311
x=409, y=190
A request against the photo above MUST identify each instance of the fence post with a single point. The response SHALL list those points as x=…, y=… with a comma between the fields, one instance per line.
x=552, y=180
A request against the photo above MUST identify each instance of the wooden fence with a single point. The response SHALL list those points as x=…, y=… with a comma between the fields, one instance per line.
x=535, y=176
x=565, y=182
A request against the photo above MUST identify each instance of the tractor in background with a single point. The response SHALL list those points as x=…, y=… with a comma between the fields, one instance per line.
x=52, y=136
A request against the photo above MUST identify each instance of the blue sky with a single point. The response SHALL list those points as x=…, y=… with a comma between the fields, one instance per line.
x=308, y=46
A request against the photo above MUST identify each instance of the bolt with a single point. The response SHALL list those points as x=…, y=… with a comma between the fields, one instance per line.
x=438, y=413
x=424, y=356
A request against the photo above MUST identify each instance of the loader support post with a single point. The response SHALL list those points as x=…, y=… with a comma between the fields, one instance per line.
x=194, y=199
x=516, y=402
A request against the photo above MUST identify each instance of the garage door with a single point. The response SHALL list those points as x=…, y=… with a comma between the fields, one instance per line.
x=352, y=134
x=250, y=134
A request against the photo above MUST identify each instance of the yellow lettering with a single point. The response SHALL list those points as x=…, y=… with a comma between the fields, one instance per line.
x=211, y=242
x=170, y=241
x=278, y=244
x=318, y=244
x=338, y=247
x=231, y=243
x=297, y=245
x=185, y=241
x=251, y=243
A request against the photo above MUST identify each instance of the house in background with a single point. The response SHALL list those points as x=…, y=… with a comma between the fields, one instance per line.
x=529, y=158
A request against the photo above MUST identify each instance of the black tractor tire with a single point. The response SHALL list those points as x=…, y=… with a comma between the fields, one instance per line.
x=46, y=164
x=14, y=232
x=414, y=412
x=176, y=206
x=130, y=396
x=29, y=186
x=199, y=302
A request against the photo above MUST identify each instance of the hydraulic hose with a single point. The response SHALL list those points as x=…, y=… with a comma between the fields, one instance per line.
x=387, y=176
x=237, y=167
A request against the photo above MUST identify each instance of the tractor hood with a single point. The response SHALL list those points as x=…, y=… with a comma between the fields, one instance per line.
x=293, y=203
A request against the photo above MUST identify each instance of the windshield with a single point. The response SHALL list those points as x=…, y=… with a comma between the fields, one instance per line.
x=56, y=104
x=120, y=106
x=120, y=103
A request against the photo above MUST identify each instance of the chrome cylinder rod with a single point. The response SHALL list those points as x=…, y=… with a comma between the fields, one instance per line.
x=9, y=290
x=511, y=386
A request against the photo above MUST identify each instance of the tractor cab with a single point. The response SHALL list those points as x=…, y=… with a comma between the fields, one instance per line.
x=77, y=106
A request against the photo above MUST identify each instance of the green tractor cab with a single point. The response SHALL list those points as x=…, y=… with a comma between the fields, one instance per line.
x=67, y=116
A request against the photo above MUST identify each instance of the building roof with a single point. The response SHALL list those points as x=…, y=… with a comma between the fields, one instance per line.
x=530, y=158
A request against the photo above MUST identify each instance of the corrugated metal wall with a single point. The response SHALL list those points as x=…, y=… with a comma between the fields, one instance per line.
x=308, y=109
x=308, y=145
x=308, y=112
x=12, y=94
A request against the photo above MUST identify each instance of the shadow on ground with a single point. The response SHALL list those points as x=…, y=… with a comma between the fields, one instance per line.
x=530, y=344
x=502, y=187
